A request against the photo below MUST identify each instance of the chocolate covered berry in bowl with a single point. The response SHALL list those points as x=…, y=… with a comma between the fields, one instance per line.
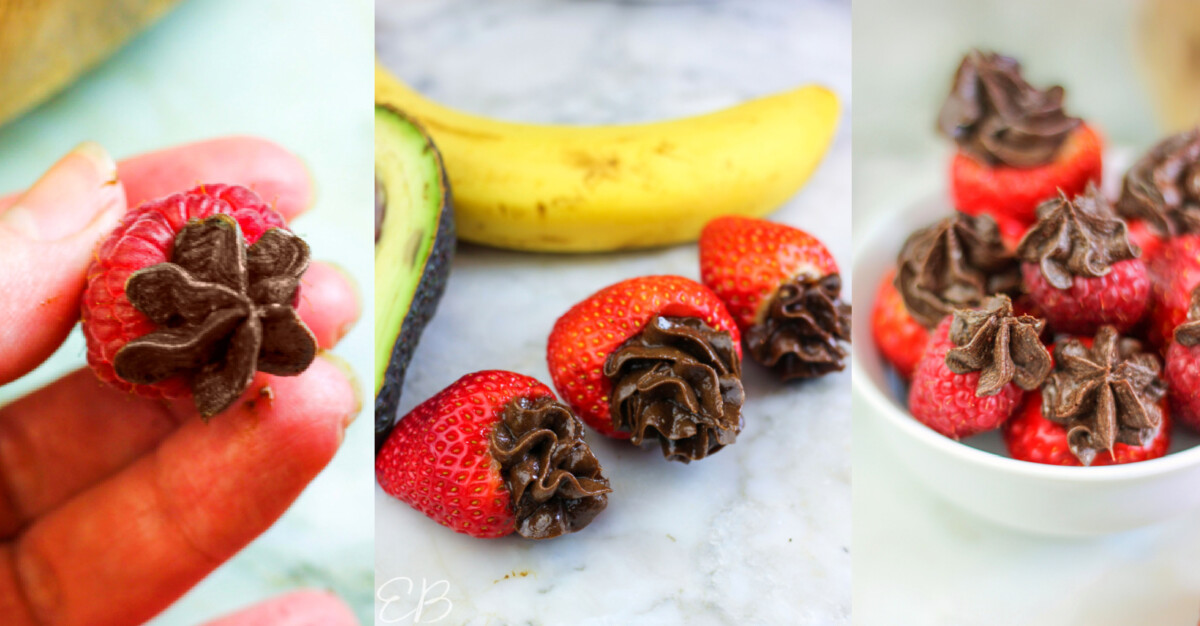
x=1161, y=196
x=1183, y=367
x=1102, y=405
x=194, y=293
x=652, y=359
x=1080, y=268
x=977, y=369
x=783, y=288
x=953, y=264
x=493, y=454
x=1016, y=144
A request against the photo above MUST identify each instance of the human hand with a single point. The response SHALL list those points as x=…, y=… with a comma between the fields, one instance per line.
x=299, y=608
x=113, y=505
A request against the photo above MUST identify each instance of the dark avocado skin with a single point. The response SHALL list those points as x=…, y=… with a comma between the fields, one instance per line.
x=424, y=304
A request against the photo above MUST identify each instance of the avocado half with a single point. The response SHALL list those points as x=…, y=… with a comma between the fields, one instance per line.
x=414, y=244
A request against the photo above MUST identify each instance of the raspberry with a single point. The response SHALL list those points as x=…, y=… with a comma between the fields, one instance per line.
x=1120, y=298
x=146, y=237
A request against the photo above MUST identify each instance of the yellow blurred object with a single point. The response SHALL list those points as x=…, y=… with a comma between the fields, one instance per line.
x=47, y=44
x=585, y=189
x=1169, y=38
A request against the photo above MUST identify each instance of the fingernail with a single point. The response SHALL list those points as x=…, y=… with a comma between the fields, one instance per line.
x=71, y=195
x=349, y=325
x=344, y=367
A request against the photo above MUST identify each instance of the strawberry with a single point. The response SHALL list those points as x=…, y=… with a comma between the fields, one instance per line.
x=492, y=454
x=900, y=338
x=1103, y=403
x=783, y=288
x=1183, y=367
x=194, y=292
x=1016, y=144
x=1012, y=194
x=977, y=368
x=656, y=357
x=1080, y=268
x=1174, y=272
x=1029, y=436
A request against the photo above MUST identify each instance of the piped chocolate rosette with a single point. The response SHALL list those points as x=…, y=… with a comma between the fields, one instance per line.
x=1163, y=187
x=998, y=118
x=555, y=482
x=1002, y=346
x=954, y=264
x=194, y=293
x=652, y=359
x=1106, y=393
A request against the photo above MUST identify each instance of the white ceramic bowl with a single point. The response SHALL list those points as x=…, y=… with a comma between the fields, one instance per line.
x=975, y=474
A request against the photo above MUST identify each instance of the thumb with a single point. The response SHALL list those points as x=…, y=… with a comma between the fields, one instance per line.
x=299, y=608
x=47, y=236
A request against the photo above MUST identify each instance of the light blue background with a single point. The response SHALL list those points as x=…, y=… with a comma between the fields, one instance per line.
x=299, y=73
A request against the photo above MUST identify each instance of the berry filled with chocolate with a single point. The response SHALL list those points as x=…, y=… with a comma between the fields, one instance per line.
x=783, y=288
x=194, y=293
x=655, y=358
x=1017, y=146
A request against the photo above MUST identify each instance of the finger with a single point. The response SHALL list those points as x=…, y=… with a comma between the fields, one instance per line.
x=47, y=236
x=123, y=550
x=299, y=608
x=60, y=439
x=277, y=175
x=329, y=303
x=40, y=468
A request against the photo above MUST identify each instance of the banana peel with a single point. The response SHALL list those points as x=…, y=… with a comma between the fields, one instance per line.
x=47, y=44
x=553, y=188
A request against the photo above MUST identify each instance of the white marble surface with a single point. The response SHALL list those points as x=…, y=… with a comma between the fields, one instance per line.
x=299, y=74
x=919, y=560
x=758, y=533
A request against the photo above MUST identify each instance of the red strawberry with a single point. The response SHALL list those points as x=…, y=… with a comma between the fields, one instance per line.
x=1031, y=437
x=782, y=287
x=1183, y=367
x=656, y=357
x=900, y=338
x=492, y=454
x=1080, y=268
x=1104, y=403
x=1174, y=272
x=194, y=292
x=1011, y=194
x=976, y=370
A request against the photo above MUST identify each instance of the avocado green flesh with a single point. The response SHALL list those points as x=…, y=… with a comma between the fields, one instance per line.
x=412, y=252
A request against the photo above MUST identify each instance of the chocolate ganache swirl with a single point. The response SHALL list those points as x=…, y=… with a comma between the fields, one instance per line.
x=555, y=482
x=998, y=118
x=1080, y=237
x=1163, y=187
x=954, y=264
x=678, y=381
x=223, y=310
x=1001, y=346
x=1105, y=394
x=802, y=332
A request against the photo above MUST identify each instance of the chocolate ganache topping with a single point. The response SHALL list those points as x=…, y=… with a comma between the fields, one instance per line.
x=223, y=310
x=679, y=381
x=1188, y=333
x=1003, y=347
x=1080, y=237
x=1163, y=187
x=554, y=480
x=1105, y=394
x=954, y=264
x=801, y=334
x=998, y=118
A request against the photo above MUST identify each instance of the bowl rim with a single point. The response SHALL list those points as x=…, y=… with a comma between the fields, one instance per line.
x=879, y=399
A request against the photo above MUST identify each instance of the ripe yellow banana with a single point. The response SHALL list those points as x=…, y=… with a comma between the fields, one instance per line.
x=47, y=44
x=583, y=189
